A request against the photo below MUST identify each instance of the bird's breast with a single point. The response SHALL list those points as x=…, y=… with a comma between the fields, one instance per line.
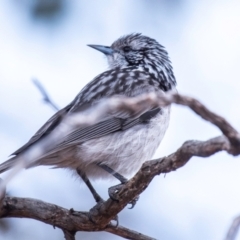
x=125, y=151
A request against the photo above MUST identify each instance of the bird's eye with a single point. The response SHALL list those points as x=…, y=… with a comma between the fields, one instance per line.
x=126, y=49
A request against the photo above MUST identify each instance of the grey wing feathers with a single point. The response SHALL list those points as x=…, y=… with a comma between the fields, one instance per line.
x=78, y=136
x=90, y=132
x=104, y=128
x=84, y=134
x=81, y=135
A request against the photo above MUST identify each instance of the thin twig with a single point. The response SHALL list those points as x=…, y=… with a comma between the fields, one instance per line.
x=233, y=230
x=127, y=233
x=45, y=95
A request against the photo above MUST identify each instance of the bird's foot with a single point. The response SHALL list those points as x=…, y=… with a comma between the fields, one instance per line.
x=113, y=194
x=93, y=212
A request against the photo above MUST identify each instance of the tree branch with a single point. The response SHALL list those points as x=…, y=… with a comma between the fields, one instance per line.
x=135, y=186
x=45, y=95
x=127, y=233
x=67, y=220
x=101, y=214
x=233, y=230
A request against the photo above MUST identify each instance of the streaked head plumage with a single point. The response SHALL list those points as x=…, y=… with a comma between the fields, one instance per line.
x=137, y=50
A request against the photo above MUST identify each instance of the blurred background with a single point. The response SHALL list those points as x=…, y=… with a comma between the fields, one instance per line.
x=46, y=40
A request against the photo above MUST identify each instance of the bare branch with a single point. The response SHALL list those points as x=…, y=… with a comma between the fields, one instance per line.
x=128, y=106
x=233, y=230
x=45, y=95
x=127, y=233
x=164, y=100
x=140, y=104
x=69, y=221
x=136, y=185
x=102, y=214
x=45, y=212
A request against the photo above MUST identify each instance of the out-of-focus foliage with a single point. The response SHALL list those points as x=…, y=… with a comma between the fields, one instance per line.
x=48, y=11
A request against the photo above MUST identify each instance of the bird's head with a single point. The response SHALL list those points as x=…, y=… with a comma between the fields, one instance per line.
x=132, y=50
x=139, y=51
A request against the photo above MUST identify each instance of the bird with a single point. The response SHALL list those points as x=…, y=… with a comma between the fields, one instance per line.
x=117, y=145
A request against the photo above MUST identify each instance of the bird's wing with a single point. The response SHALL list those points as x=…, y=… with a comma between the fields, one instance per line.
x=104, y=128
x=107, y=84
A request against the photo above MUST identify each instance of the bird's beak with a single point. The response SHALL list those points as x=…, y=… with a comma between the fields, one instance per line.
x=104, y=49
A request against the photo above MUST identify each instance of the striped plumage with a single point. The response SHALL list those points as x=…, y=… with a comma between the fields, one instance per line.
x=138, y=64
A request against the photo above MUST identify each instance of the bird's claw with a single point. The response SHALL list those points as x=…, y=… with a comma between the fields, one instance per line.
x=133, y=202
x=95, y=211
x=112, y=192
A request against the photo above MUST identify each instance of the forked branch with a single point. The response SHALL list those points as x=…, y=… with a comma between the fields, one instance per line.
x=71, y=221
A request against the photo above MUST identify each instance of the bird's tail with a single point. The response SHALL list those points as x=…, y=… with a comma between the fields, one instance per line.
x=8, y=164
